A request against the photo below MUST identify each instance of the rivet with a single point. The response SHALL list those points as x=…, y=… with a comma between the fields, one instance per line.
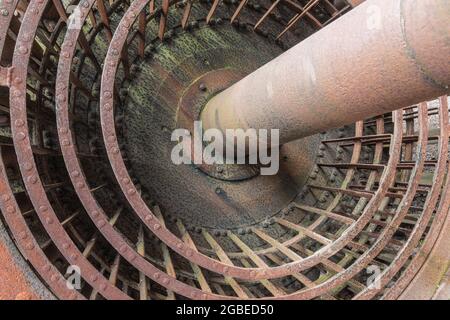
x=4, y=12
x=75, y=173
x=80, y=185
x=107, y=94
x=65, y=142
x=49, y=220
x=202, y=87
x=43, y=208
x=19, y=122
x=115, y=150
x=126, y=180
x=108, y=107
x=6, y=197
x=30, y=246
x=23, y=50
x=66, y=246
x=28, y=166
x=23, y=235
x=148, y=218
x=10, y=209
x=157, y=226
x=131, y=191
x=101, y=223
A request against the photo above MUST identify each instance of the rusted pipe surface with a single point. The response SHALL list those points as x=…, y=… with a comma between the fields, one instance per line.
x=382, y=56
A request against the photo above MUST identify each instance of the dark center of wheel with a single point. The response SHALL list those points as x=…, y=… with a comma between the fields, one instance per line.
x=169, y=93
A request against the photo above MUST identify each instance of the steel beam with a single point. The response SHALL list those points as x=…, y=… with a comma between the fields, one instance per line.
x=382, y=56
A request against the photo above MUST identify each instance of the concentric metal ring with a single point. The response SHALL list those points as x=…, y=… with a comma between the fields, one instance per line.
x=350, y=215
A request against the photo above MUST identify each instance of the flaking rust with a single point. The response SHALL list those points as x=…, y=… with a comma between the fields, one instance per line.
x=91, y=93
x=13, y=284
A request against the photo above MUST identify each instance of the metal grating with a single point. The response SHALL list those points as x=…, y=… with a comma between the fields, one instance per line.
x=378, y=195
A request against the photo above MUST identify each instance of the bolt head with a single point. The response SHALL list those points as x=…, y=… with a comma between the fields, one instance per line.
x=202, y=87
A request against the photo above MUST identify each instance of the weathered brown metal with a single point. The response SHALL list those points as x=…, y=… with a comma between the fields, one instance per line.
x=372, y=199
x=143, y=210
x=429, y=205
x=25, y=158
x=328, y=81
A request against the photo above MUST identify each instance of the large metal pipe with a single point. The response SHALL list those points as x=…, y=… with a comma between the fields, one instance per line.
x=381, y=56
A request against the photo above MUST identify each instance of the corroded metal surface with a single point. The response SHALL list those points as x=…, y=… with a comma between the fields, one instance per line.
x=12, y=281
x=374, y=193
x=396, y=56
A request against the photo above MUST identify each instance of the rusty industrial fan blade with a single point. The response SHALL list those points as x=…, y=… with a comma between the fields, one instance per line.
x=89, y=94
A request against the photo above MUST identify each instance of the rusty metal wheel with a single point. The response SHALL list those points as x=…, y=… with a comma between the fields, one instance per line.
x=89, y=94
